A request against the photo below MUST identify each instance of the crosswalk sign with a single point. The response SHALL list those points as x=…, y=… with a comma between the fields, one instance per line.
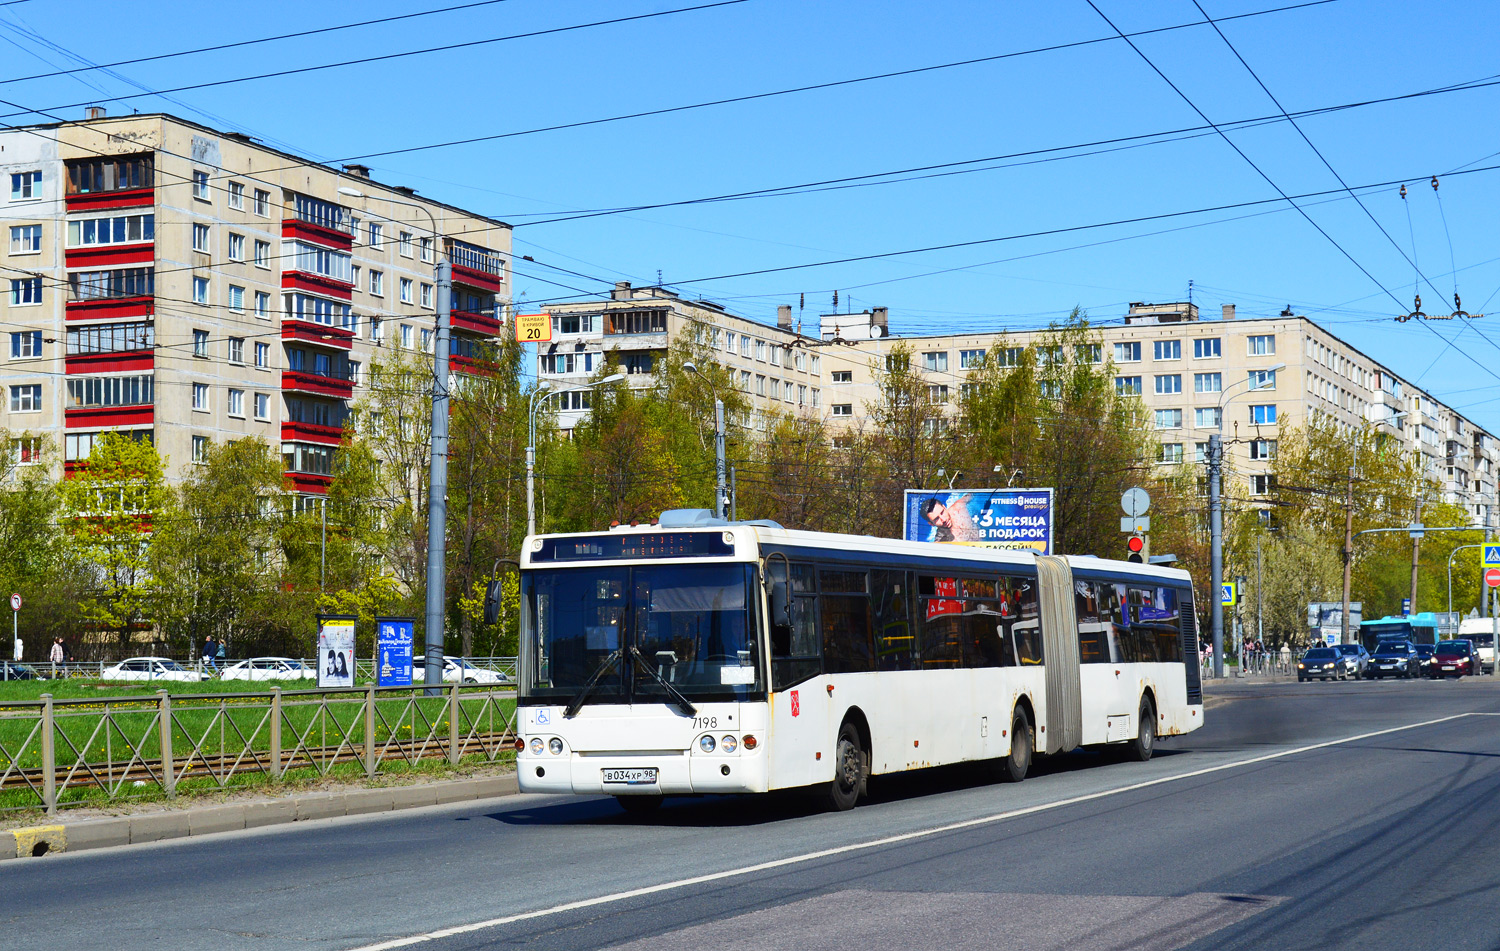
x=1492, y=556
x=1227, y=593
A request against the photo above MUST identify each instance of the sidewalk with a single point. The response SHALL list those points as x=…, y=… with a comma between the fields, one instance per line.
x=76, y=835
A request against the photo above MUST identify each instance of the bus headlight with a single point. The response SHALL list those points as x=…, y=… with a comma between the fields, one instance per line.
x=555, y=745
x=728, y=744
x=706, y=744
x=537, y=746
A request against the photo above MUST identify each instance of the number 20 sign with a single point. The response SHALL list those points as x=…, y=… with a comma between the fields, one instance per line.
x=533, y=328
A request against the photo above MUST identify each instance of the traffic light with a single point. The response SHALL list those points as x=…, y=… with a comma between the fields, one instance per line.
x=1136, y=545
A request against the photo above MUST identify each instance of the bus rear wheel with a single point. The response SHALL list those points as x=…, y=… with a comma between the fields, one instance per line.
x=848, y=770
x=639, y=805
x=1014, y=767
x=1140, y=748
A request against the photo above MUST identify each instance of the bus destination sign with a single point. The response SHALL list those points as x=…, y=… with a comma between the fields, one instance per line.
x=632, y=545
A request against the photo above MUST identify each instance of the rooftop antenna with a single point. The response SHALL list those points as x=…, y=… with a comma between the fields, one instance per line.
x=1190, y=290
x=835, y=302
x=658, y=277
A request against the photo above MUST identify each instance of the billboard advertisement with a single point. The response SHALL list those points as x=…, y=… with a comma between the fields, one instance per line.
x=393, y=640
x=335, y=651
x=989, y=518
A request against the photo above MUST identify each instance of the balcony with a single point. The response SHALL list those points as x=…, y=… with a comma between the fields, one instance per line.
x=313, y=384
x=109, y=417
x=483, y=324
x=476, y=266
x=318, y=335
x=127, y=360
x=311, y=432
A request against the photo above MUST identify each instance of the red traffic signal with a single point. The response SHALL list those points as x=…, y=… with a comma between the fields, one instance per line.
x=1136, y=544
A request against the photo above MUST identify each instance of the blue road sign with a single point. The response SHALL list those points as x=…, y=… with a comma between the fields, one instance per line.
x=1406, y=607
x=1492, y=556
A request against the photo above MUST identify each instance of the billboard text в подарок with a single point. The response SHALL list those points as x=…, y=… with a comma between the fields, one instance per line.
x=989, y=518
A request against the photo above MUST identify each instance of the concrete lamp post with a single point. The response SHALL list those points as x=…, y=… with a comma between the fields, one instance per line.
x=720, y=491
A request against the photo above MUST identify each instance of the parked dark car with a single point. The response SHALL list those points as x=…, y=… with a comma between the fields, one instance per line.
x=1424, y=654
x=1321, y=663
x=10, y=670
x=1356, y=659
x=1454, y=659
x=1395, y=659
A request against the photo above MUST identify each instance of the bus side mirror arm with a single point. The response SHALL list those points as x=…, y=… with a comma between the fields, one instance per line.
x=493, y=591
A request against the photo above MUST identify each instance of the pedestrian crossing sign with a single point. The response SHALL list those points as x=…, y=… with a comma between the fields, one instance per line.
x=1227, y=593
x=1492, y=556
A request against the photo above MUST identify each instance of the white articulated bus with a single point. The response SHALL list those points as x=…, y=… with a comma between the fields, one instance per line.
x=702, y=656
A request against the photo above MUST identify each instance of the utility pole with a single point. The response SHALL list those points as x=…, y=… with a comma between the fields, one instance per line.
x=1216, y=548
x=1260, y=623
x=721, y=493
x=437, y=481
x=1416, y=549
x=1348, y=556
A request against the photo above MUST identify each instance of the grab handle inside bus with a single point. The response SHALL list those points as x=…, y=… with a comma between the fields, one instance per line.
x=780, y=591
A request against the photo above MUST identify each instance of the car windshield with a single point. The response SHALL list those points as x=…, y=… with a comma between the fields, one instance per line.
x=1453, y=647
x=1424, y=649
x=690, y=624
x=1321, y=653
x=1348, y=648
x=1392, y=647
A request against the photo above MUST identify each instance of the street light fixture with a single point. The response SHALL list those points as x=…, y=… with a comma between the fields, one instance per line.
x=543, y=387
x=720, y=492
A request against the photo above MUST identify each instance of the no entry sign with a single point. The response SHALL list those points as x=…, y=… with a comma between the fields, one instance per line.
x=1492, y=577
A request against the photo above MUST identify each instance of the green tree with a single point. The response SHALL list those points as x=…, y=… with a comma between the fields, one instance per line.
x=36, y=560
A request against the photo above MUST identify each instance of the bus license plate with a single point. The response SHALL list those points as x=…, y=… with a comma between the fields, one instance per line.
x=631, y=776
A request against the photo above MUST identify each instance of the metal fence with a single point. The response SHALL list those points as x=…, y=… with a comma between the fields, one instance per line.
x=364, y=668
x=1254, y=664
x=60, y=753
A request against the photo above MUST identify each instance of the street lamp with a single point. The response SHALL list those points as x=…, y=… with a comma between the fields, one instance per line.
x=437, y=470
x=543, y=387
x=1216, y=516
x=719, y=490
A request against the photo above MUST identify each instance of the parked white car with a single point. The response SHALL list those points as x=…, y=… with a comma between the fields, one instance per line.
x=268, y=668
x=152, y=668
x=457, y=670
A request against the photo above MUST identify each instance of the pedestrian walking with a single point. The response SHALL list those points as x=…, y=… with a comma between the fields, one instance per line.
x=210, y=652
x=56, y=655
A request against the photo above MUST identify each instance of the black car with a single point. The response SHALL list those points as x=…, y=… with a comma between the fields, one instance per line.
x=1322, y=663
x=1424, y=654
x=1395, y=659
x=14, y=671
x=1356, y=659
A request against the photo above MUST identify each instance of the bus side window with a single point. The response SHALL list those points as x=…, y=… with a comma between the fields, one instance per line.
x=1121, y=630
x=1093, y=624
x=895, y=641
x=1020, y=605
x=794, y=650
x=939, y=614
x=844, y=603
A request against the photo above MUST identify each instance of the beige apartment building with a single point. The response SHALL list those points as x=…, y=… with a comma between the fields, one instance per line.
x=186, y=285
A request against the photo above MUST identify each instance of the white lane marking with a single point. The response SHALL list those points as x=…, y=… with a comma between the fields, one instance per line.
x=874, y=843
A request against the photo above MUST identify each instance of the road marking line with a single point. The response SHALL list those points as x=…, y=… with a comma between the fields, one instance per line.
x=877, y=843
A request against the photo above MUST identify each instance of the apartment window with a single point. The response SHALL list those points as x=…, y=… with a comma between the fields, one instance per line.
x=817, y=397
x=937, y=393
x=1010, y=357
x=200, y=343
x=406, y=336
x=729, y=338
x=760, y=385
x=236, y=247
x=354, y=366
x=786, y=392
x=1264, y=415
x=427, y=295
x=1206, y=348
x=25, y=239
x=1169, y=419
x=843, y=409
x=236, y=402
x=27, y=450
x=1262, y=484
x=27, y=343
x=744, y=346
x=1127, y=353
x=404, y=244
x=843, y=376
x=1127, y=386
x=262, y=355
x=1089, y=353
x=1262, y=379
x=1200, y=453
x=26, y=398
x=760, y=350
x=1207, y=417
x=119, y=229
x=25, y=186
x=200, y=448
x=1168, y=384
x=1167, y=350
x=1049, y=356
x=376, y=234
x=236, y=298
x=111, y=338
x=263, y=305
x=1262, y=345
x=936, y=362
x=236, y=349
x=745, y=380
x=1049, y=389
x=815, y=365
x=200, y=238
x=262, y=254
x=263, y=203
x=1262, y=450
x=1208, y=382
x=314, y=259
x=426, y=245
x=637, y=364
x=377, y=283
x=377, y=330
x=200, y=396
x=775, y=355
x=426, y=340
x=262, y=406
x=25, y=290
x=111, y=391
x=406, y=290
x=1169, y=454
x=237, y=195
x=200, y=185
x=200, y=290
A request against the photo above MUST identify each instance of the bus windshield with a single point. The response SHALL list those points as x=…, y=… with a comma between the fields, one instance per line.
x=690, y=625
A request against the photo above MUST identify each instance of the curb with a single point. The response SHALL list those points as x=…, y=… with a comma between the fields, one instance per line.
x=207, y=820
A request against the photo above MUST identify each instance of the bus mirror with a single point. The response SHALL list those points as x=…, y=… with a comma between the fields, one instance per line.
x=492, y=602
x=781, y=605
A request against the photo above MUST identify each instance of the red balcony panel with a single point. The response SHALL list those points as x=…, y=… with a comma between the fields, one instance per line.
x=475, y=323
x=111, y=362
x=317, y=284
x=111, y=255
x=317, y=234
x=111, y=308
x=128, y=198
x=297, y=381
x=470, y=366
x=319, y=335
x=311, y=432
x=106, y=417
x=308, y=482
x=474, y=277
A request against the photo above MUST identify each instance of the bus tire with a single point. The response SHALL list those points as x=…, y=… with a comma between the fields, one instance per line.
x=639, y=805
x=1016, y=764
x=1139, y=749
x=848, y=770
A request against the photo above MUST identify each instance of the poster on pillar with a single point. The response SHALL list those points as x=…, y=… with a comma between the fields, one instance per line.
x=393, y=651
x=335, y=655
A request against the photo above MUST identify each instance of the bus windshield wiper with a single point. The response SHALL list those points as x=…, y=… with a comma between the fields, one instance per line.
x=593, y=681
x=682, y=702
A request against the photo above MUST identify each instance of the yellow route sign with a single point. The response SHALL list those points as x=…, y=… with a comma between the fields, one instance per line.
x=534, y=328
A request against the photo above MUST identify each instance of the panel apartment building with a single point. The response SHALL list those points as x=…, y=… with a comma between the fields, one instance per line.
x=184, y=285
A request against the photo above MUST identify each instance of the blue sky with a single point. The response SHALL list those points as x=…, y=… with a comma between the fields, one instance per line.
x=1261, y=258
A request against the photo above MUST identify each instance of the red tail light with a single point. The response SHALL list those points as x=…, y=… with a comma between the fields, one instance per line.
x=520, y=744
x=749, y=742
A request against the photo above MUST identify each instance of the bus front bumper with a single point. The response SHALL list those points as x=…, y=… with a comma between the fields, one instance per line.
x=651, y=773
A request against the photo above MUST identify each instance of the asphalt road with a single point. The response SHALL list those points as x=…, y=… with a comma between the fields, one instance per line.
x=1283, y=823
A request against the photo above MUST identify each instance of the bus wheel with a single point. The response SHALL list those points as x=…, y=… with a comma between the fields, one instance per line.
x=848, y=770
x=1014, y=767
x=639, y=805
x=1140, y=748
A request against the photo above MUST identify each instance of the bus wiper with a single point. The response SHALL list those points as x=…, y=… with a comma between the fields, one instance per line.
x=593, y=681
x=682, y=702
